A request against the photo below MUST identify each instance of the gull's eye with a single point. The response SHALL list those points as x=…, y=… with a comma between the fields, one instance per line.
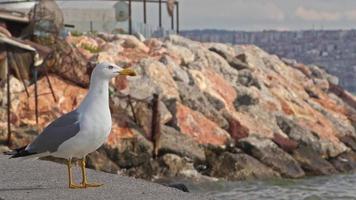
x=111, y=67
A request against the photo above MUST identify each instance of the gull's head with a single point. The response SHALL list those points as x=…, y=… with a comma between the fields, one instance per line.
x=108, y=71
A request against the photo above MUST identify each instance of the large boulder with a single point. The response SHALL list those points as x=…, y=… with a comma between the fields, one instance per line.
x=312, y=162
x=271, y=155
x=239, y=166
x=173, y=141
x=197, y=125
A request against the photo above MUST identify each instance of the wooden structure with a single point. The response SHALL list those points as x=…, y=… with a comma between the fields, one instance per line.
x=21, y=57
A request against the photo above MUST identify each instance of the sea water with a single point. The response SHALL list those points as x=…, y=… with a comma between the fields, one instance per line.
x=311, y=188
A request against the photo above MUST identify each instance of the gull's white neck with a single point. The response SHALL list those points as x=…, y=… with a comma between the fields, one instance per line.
x=98, y=94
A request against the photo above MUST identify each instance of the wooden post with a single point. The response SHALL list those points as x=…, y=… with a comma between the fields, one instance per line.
x=130, y=17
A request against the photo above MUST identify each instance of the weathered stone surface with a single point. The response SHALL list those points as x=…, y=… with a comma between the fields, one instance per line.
x=175, y=164
x=71, y=63
x=233, y=62
x=160, y=76
x=212, y=97
x=143, y=113
x=345, y=162
x=238, y=166
x=311, y=161
x=68, y=98
x=186, y=56
x=269, y=154
x=131, y=41
x=284, y=143
x=197, y=126
x=172, y=141
x=209, y=106
x=130, y=152
x=99, y=160
x=300, y=134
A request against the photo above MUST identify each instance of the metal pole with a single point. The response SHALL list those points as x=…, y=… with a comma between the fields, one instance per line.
x=36, y=94
x=130, y=17
x=177, y=16
x=8, y=100
x=155, y=124
x=145, y=11
x=160, y=13
x=91, y=26
x=172, y=21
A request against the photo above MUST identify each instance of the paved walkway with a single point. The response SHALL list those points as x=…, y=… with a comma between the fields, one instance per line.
x=46, y=180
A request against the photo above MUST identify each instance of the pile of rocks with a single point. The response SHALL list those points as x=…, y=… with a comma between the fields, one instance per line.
x=231, y=112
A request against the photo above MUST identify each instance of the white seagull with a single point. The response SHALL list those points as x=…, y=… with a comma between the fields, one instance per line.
x=82, y=131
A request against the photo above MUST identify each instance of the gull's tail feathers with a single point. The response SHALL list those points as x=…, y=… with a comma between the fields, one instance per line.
x=21, y=152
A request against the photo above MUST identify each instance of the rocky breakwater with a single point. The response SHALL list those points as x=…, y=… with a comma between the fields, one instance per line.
x=229, y=112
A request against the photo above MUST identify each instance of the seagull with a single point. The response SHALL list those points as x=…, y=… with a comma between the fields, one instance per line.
x=81, y=131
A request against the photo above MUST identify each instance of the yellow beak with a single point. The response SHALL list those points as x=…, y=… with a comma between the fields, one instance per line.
x=127, y=72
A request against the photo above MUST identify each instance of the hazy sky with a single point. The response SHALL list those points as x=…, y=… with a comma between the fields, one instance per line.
x=251, y=14
x=268, y=14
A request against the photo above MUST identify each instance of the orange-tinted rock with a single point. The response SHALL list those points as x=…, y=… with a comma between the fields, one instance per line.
x=68, y=98
x=199, y=127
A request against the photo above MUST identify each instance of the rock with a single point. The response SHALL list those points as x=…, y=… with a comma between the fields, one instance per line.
x=127, y=146
x=70, y=64
x=204, y=103
x=172, y=141
x=16, y=87
x=179, y=186
x=236, y=167
x=247, y=79
x=303, y=135
x=246, y=97
x=98, y=160
x=160, y=76
x=271, y=155
x=131, y=41
x=286, y=144
x=197, y=126
x=175, y=166
x=312, y=162
x=176, y=71
x=233, y=62
x=139, y=36
x=345, y=162
x=110, y=53
x=143, y=113
x=68, y=98
x=186, y=56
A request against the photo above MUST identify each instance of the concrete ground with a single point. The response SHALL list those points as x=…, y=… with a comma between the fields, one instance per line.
x=47, y=180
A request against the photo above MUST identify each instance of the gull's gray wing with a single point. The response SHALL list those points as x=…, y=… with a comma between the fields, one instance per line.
x=56, y=133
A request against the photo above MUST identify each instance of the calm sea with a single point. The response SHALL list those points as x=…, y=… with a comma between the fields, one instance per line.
x=313, y=188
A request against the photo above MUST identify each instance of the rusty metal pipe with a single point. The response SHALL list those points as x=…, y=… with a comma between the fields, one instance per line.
x=8, y=102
